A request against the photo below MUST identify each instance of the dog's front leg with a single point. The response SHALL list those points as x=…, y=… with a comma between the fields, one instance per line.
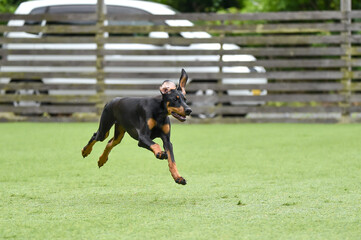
x=145, y=141
x=168, y=147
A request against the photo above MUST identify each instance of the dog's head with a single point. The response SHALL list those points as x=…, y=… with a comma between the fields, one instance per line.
x=174, y=97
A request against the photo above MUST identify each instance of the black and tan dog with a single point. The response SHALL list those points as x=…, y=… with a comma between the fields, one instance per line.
x=144, y=119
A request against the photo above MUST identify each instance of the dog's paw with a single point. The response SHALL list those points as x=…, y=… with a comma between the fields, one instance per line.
x=85, y=152
x=162, y=155
x=181, y=180
x=102, y=160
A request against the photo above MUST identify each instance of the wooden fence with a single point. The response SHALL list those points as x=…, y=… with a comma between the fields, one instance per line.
x=259, y=67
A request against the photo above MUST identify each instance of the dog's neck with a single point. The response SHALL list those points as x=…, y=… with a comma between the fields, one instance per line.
x=163, y=112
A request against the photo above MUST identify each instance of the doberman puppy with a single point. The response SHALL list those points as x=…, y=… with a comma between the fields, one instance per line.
x=144, y=119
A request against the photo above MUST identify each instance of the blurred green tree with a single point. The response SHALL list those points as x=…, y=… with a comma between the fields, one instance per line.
x=294, y=5
x=9, y=5
x=285, y=5
x=256, y=5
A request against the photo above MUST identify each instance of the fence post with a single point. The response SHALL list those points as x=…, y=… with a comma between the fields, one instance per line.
x=345, y=7
x=99, y=39
x=219, y=93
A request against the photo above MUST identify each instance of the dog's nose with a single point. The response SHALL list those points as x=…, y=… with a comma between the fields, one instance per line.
x=188, y=111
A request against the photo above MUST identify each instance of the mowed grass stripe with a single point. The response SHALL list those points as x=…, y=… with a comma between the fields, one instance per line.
x=250, y=181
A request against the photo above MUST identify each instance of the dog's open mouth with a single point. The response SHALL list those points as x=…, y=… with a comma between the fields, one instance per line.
x=179, y=117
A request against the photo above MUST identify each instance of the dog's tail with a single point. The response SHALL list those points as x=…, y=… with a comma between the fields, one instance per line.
x=106, y=122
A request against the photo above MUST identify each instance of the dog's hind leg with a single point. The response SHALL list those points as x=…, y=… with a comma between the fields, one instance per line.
x=118, y=136
x=89, y=147
x=106, y=122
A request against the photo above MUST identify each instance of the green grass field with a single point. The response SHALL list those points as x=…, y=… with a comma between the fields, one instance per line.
x=249, y=181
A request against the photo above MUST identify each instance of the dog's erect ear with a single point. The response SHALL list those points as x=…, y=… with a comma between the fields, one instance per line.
x=167, y=86
x=183, y=81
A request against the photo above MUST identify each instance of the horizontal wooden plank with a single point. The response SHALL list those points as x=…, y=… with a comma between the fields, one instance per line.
x=279, y=87
x=355, y=14
x=56, y=63
x=249, y=28
x=259, y=28
x=76, y=99
x=266, y=109
x=43, y=40
x=260, y=51
x=40, y=75
x=49, y=17
x=263, y=109
x=254, y=40
x=355, y=38
x=356, y=75
x=46, y=87
x=302, y=63
x=264, y=119
x=82, y=117
x=234, y=29
x=355, y=98
x=355, y=109
x=51, y=29
x=289, y=75
x=95, y=118
x=355, y=86
x=295, y=51
x=354, y=26
x=274, y=63
x=50, y=98
x=284, y=16
x=52, y=109
x=269, y=98
x=286, y=63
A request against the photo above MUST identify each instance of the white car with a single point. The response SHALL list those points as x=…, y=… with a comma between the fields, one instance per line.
x=119, y=7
